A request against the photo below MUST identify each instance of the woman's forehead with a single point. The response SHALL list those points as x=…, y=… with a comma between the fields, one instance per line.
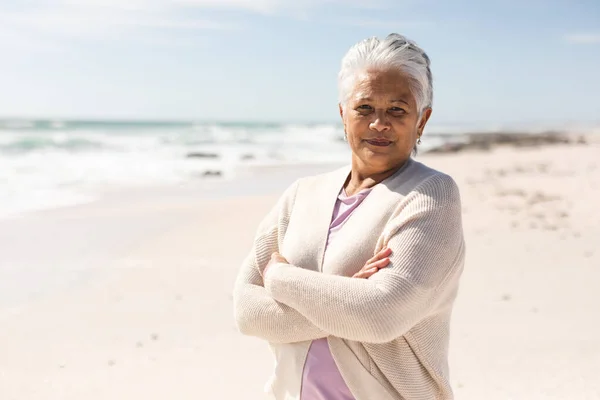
x=389, y=84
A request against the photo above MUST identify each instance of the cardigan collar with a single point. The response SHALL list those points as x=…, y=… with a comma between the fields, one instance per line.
x=376, y=203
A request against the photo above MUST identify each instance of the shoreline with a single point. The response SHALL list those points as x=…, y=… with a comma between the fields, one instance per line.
x=251, y=180
x=33, y=193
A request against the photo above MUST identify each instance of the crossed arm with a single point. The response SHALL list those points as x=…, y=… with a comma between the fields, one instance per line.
x=256, y=312
x=426, y=261
x=259, y=314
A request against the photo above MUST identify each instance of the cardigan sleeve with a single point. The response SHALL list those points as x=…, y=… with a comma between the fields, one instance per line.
x=256, y=312
x=426, y=238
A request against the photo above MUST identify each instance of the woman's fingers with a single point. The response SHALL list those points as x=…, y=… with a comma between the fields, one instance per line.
x=381, y=254
x=365, y=273
x=375, y=263
x=371, y=268
x=379, y=263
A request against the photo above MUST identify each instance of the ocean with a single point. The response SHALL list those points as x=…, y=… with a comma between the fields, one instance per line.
x=52, y=163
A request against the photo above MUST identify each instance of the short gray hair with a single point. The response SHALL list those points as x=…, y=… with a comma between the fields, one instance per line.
x=396, y=52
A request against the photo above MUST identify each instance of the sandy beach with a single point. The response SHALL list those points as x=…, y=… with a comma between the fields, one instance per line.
x=129, y=297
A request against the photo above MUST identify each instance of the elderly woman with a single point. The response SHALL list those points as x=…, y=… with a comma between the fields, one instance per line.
x=353, y=274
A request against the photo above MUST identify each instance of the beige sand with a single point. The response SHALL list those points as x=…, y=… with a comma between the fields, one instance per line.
x=155, y=319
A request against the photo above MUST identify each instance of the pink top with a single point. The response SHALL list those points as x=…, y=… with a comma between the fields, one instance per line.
x=321, y=379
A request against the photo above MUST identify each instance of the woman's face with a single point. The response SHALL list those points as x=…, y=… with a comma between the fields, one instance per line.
x=381, y=120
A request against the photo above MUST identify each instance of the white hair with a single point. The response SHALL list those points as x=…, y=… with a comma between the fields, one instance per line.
x=393, y=52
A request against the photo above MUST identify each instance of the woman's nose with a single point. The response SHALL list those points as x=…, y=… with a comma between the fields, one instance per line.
x=380, y=123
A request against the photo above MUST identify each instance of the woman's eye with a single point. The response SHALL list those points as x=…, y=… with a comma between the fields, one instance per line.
x=364, y=107
x=397, y=110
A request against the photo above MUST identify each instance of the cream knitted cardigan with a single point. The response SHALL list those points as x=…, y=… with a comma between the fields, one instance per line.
x=388, y=334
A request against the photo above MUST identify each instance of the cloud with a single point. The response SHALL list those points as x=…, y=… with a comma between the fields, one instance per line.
x=253, y=6
x=583, y=38
x=56, y=27
x=15, y=42
x=78, y=22
x=49, y=21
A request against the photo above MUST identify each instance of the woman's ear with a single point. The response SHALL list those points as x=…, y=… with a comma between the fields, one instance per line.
x=424, y=118
x=341, y=107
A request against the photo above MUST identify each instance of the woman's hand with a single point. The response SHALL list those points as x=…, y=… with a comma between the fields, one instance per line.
x=374, y=264
x=275, y=259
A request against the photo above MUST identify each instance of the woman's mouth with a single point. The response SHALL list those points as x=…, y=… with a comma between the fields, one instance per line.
x=379, y=142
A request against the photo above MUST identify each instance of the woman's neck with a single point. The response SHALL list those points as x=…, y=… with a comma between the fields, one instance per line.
x=363, y=178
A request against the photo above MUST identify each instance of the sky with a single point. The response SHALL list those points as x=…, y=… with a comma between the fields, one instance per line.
x=493, y=62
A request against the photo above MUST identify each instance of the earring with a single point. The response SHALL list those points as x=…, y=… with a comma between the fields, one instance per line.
x=345, y=136
x=419, y=140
